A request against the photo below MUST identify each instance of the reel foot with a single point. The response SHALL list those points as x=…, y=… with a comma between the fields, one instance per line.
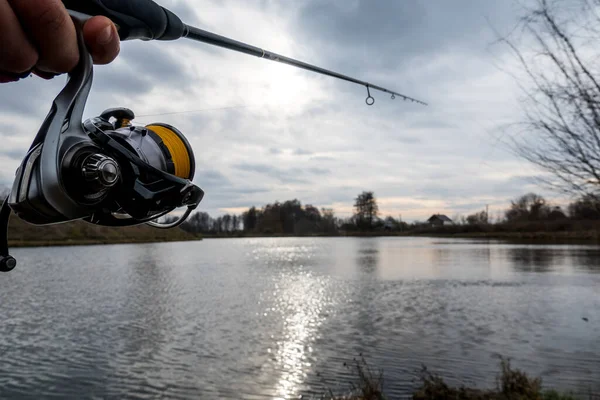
x=7, y=264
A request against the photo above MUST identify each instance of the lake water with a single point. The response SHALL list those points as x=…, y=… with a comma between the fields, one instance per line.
x=277, y=318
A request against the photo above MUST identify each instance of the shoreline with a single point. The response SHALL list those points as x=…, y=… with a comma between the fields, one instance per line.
x=20, y=244
x=562, y=237
x=583, y=237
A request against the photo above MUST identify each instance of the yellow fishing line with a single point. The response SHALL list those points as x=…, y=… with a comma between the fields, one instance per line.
x=177, y=148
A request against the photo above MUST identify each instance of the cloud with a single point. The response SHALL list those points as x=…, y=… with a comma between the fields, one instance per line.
x=287, y=176
x=263, y=131
x=302, y=152
x=15, y=154
x=30, y=97
x=319, y=171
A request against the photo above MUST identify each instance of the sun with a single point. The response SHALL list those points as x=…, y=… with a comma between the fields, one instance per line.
x=285, y=86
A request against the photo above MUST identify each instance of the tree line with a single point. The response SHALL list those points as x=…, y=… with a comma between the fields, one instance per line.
x=291, y=217
x=533, y=207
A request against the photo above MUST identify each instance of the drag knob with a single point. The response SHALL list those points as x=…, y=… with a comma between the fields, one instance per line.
x=100, y=170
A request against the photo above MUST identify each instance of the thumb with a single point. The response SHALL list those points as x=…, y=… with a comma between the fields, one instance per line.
x=102, y=39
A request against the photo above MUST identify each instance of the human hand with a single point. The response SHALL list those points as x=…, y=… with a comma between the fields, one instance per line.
x=38, y=36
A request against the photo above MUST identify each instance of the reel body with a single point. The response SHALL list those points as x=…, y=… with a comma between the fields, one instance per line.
x=101, y=177
x=105, y=171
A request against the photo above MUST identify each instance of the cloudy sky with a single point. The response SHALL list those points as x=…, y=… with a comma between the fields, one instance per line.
x=267, y=131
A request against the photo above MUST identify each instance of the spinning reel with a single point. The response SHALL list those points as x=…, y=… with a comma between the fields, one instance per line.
x=105, y=171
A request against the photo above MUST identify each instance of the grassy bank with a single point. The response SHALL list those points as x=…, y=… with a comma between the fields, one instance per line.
x=541, y=237
x=560, y=230
x=512, y=384
x=22, y=234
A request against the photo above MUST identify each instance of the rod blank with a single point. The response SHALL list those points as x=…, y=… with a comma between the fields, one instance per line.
x=200, y=35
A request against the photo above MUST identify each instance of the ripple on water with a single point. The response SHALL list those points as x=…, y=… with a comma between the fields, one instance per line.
x=276, y=318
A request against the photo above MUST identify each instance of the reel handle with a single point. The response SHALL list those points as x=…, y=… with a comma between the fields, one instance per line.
x=7, y=262
x=135, y=19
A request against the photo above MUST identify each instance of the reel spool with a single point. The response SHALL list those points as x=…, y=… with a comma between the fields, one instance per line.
x=105, y=171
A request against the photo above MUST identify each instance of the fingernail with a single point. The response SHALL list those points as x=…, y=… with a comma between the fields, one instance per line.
x=105, y=35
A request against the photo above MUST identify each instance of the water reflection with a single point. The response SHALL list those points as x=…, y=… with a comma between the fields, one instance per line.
x=367, y=257
x=586, y=259
x=448, y=255
x=363, y=296
x=145, y=318
x=483, y=254
x=532, y=259
x=302, y=301
x=259, y=318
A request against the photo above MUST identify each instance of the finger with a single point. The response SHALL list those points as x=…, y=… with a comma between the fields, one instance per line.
x=51, y=30
x=102, y=39
x=17, y=54
x=44, y=75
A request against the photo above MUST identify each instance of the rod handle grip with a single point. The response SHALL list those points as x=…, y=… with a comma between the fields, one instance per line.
x=135, y=19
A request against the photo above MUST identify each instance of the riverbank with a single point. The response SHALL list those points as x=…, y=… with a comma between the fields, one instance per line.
x=79, y=233
x=560, y=231
x=158, y=236
x=91, y=242
x=545, y=237
x=512, y=384
x=542, y=237
x=76, y=233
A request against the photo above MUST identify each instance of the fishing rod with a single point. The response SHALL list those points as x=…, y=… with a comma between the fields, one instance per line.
x=146, y=20
x=106, y=170
x=221, y=41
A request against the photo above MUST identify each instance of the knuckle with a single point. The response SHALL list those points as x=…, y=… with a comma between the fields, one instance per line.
x=51, y=16
x=52, y=21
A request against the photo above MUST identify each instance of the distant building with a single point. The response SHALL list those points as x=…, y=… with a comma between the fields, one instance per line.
x=439, y=220
x=388, y=225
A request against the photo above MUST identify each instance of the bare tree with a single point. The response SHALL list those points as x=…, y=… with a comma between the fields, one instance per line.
x=226, y=223
x=479, y=218
x=585, y=207
x=529, y=207
x=366, y=210
x=562, y=96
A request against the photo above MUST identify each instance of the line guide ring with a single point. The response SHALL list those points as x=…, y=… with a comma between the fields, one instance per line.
x=369, y=100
